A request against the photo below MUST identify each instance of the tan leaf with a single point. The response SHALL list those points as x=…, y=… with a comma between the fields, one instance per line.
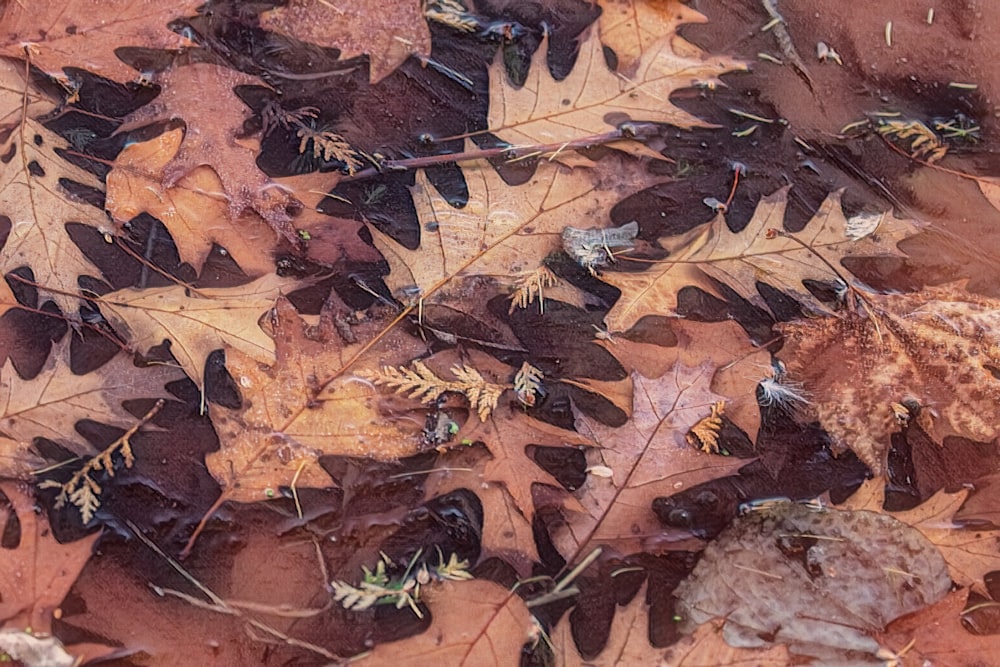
x=301, y=406
x=50, y=404
x=937, y=348
x=197, y=322
x=506, y=531
x=76, y=33
x=648, y=457
x=194, y=208
x=599, y=99
x=705, y=647
x=37, y=574
x=936, y=636
x=503, y=231
x=212, y=126
x=33, y=199
x=742, y=259
x=387, y=33
x=475, y=623
x=633, y=27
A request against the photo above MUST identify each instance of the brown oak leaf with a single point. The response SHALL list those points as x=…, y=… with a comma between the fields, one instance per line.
x=197, y=321
x=632, y=27
x=304, y=405
x=936, y=351
x=475, y=623
x=75, y=33
x=594, y=100
x=741, y=259
x=37, y=574
x=194, y=208
x=50, y=404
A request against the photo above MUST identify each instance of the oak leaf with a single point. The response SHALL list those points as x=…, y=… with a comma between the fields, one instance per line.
x=50, y=404
x=935, y=350
x=57, y=34
x=33, y=198
x=302, y=405
x=389, y=34
x=197, y=322
x=742, y=259
x=593, y=99
x=936, y=635
x=633, y=27
x=194, y=208
x=37, y=574
x=475, y=623
x=502, y=232
x=648, y=457
x=210, y=139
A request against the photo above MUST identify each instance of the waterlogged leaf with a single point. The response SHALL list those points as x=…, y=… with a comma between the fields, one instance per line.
x=742, y=259
x=194, y=208
x=938, y=348
x=50, y=404
x=300, y=406
x=705, y=647
x=387, y=33
x=593, y=99
x=37, y=574
x=197, y=322
x=32, y=197
x=475, y=623
x=79, y=33
x=820, y=580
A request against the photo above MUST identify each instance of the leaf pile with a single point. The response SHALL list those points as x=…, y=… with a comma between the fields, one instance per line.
x=402, y=329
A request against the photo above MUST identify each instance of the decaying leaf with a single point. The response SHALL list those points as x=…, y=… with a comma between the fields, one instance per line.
x=32, y=195
x=969, y=552
x=598, y=98
x=37, y=574
x=741, y=260
x=476, y=624
x=821, y=580
x=936, y=350
x=706, y=647
x=194, y=208
x=389, y=34
x=301, y=406
x=197, y=322
x=57, y=34
x=50, y=404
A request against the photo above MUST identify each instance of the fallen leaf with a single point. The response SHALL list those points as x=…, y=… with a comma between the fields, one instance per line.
x=388, y=34
x=50, y=404
x=820, y=580
x=194, y=208
x=210, y=139
x=475, y=623
x=32, y=197
x=302, y=406
x=198, y=322
x=937, y=348
x=705, y=647
x=503, y=231
x=36, y=575
x=935, y=635
x=742, y=259
x=648, y=457
x=592, y=99
x=632, y=27
x=77, y=33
